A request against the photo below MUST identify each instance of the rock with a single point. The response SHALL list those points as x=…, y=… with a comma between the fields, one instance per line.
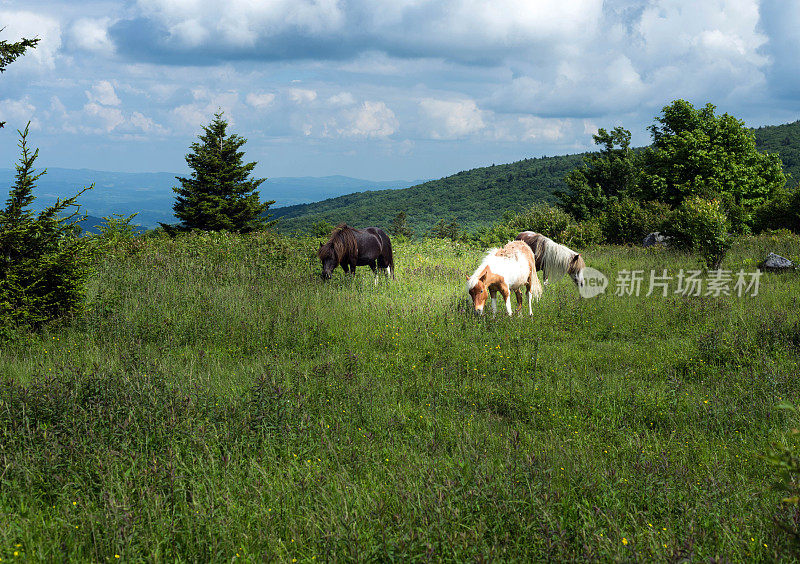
x=655, y=238
x=775, y=262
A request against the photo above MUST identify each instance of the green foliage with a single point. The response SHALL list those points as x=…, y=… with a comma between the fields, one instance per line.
x=702, y=226
x=611, y=174
x=322, y=228
x=785, y=458
x=10, y=51
x=780, y=212
x=219, y=195
x=448, y=229
x=400, y=227
x=44, y=266
x=783, y=140
x=116, y=229
x=548, y=220
x=698, y=154
x=627, y=221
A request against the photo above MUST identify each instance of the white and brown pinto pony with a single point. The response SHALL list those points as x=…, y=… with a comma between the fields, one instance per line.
x=554, y=260
x=505, y=270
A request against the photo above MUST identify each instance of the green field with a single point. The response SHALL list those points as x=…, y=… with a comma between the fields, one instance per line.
x=219, y=402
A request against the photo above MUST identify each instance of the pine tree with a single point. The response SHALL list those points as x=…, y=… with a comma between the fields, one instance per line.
x=220, y=195
x=44, y=266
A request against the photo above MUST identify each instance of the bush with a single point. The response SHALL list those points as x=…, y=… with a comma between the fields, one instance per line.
x=701, y=225
x=628, y=221
x=781, y=212
x=44, y=264
x=542, y=218
x=583, y=234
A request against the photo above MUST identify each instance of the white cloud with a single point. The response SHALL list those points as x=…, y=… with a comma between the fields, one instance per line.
x=30, y=25
x=371, y=119
x=19, y=112
x=103, y=93
x=90, y=34
x=302, y=95
x=260, y=101
x=452, y=119
x=101, y=118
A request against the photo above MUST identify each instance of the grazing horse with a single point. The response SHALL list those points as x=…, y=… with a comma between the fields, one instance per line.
x=505, y=270
x=553, y=259
x=351, y=247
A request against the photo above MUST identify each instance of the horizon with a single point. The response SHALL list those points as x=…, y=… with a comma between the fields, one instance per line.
x=381, y=90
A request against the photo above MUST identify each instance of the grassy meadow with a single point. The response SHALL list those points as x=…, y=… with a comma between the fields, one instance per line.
x=218, y=402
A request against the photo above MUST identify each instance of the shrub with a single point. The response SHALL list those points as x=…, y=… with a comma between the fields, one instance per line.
x=781, y=212
x=702, y=226
x=582, y=234
x=44, y=265
x=542, y=218
x=628, y=221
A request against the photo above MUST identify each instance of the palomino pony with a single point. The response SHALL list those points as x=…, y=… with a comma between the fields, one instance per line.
x=505, y=270
x=553, y=259
x=350, y=247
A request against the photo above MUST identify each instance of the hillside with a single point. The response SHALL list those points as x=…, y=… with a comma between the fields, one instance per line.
x=480, y=196
x=784, y=140
x=473, y=197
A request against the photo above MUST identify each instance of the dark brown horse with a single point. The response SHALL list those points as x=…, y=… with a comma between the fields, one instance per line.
x=350, y=248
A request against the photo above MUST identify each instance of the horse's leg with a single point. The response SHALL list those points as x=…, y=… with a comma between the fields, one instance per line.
x=507, y=296
x=374, y=271
x=528, y=287
x=493, y=293
x=518, y=293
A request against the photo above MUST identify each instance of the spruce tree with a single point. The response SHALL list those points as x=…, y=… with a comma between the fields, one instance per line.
x=44, y=265
x=220, y=195
x=10, y=51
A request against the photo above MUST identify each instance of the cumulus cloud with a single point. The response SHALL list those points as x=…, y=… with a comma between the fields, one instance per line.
x=260, y=101
x=452, y=119
x=19, y=112
x=302, y=95
x=103, y=93
x=91, y=34
x=371, y=119
x=19, y=24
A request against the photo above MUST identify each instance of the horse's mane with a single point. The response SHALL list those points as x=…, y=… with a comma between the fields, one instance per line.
x=342, y=243
x=555, y=258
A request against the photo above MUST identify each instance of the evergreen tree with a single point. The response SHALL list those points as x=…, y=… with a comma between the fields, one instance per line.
x=219, y=194
x=399, y=226
x=43, y=264
x=10, y=51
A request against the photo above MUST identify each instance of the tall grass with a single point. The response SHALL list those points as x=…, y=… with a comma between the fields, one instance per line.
x=221, y=402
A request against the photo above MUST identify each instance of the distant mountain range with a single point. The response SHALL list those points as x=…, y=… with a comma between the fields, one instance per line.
x=150, y=193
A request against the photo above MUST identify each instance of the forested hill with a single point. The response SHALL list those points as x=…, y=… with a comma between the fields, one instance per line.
x=784, y=140
x=480, y=196
x=474, y=198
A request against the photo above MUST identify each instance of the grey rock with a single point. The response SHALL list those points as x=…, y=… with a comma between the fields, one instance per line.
x=655, y=238
x=775, y=262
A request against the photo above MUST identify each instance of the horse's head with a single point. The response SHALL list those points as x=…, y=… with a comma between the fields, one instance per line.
x=479, y=291
x=575, y=270
x=327, y=256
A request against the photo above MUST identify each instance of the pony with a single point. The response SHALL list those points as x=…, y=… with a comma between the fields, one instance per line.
x=351, y=247
x=554, y=260
x=505, y=270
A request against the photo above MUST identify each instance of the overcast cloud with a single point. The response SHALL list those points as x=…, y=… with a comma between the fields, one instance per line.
x=381, y=89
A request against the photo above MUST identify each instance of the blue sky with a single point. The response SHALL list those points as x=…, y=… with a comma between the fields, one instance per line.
x=381, y=89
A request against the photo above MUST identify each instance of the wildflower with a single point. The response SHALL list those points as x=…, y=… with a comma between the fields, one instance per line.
x=624, y=540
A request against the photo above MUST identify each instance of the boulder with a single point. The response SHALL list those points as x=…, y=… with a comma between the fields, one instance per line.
x=655, y=238
x=776, y=263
